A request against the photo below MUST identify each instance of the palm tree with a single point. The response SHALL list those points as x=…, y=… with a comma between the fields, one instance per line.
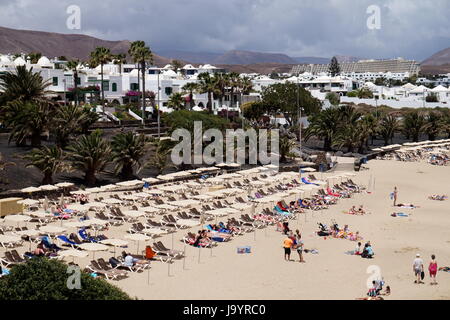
x=3, y=165
x=90, y=154
x=23, y=84
x=127, y=152
x=141, y=55
x=368, y=127
x=207, y=85
x=286, y=145
x=388, y=126
x=49, y=160
x=245, y=87
x=73, y=65
x=190, y=88
x=324, y=125
x=176, y=65
x=34, y=57
x=434, y=124
x=348, y=136
x=176, y=101
x=90, y=117
x=68, y=120
x=101, y=56
x=28, y=120
x=120, y=59
x=160, y=156
x=413, y=125
x=221, y=83
x=234, y=82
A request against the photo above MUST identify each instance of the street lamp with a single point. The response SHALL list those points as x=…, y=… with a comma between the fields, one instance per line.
x=157, y=100
x=65, y=100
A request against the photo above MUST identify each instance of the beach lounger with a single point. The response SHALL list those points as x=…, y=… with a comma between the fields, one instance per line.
x=67, y=241
x=159, y=248
x=8, y=259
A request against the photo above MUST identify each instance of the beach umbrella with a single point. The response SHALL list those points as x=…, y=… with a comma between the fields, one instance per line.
x=183, y=203
x=30, y=189
x=48, y=187
x=61, y=200
x=115, y=243
x=93, y=247
x=188, y=223
x=153, y=191
x=111, y=201
x=78, y=207
x=45, y=204
x=95, y=204
x=137, y=237
x=28, y=202
x=18, y=218
x=151, y=180
x=94, y=190
x=308, y=169
x=48, y=230
x=80, y=192
x=76, y=224
x=6, y=239
x=133, y=213
x=29, y=233
x=64, y=184
x=72, y=253
x=202, y=197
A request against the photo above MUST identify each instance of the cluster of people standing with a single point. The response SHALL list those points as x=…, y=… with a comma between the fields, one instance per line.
x=293, y=241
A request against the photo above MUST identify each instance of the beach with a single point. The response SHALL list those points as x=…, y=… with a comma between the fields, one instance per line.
x=222, y=273
x=331, y=274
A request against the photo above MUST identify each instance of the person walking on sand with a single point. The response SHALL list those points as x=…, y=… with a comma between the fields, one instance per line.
x=418, y=268
x=298, y=238
x=432, y=268
x=395, y=194
x=287, y=244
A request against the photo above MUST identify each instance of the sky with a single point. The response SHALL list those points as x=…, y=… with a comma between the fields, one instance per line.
x=412, y=29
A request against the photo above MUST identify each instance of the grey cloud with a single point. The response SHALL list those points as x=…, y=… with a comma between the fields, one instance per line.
x=412, y=29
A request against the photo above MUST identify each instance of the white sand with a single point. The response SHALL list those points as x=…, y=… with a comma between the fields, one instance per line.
x=331, y=274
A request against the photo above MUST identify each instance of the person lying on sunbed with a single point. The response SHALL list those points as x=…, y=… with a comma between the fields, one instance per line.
x=411, y=206
x=129, y=261
x=438, y=197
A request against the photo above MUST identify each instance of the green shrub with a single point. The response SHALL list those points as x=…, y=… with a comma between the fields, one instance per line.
x=45, y=279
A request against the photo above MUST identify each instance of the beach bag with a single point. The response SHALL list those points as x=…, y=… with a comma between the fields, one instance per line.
x=422, y=275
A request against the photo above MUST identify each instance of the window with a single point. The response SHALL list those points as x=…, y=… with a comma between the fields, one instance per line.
x=168, y=90
x=55, y=81
x=134, y=87
x=114, y=87
x=78, y=80
x=105, y=86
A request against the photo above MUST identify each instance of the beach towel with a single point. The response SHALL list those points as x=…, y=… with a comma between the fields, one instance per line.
x=445, y=269
x=391, y=195
x=400, y=214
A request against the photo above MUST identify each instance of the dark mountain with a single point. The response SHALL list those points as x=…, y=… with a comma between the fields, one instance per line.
x=312, y=60
x=438, y=59
x=193, y=57
x=234, y=57
x=250, y=57
x=53, y=44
